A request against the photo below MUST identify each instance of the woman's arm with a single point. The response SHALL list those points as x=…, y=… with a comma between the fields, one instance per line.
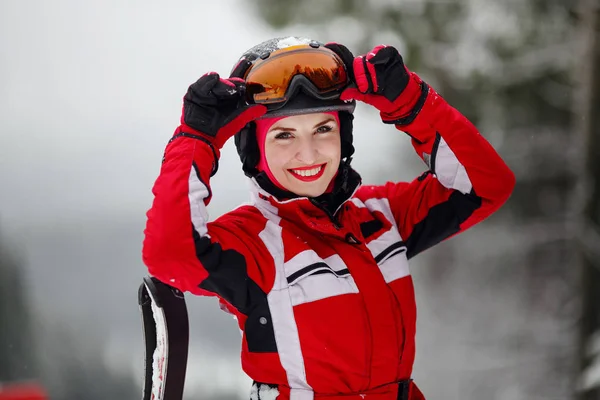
x=467, y=180
x=180, y=247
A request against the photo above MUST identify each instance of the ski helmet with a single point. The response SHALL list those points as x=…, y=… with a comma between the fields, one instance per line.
x=291, y=76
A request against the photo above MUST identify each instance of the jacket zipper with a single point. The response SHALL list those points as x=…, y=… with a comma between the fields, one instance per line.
x=338, y=226
x=331, y=217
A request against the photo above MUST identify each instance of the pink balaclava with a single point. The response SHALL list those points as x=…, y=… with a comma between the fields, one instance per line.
x=262, y=127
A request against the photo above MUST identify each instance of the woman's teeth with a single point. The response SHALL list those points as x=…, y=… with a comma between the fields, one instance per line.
x=307, y=172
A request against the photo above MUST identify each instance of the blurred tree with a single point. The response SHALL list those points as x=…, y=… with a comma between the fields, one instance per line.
x=17, y=349
x=589, y=123
x=71, y=367
x=509, y=67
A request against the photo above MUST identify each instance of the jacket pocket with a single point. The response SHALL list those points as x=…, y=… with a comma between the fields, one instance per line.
x=311, y=278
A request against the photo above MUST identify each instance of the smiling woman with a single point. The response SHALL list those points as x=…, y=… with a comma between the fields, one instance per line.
x=315, y=268
x=300, y=153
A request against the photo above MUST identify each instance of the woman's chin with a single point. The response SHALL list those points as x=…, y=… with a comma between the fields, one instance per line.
x=312, y=189
x=301, y=187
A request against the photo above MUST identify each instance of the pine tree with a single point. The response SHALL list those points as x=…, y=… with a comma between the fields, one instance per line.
x=17, y=349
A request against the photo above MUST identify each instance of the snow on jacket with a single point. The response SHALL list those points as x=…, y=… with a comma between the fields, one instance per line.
x=325, y=302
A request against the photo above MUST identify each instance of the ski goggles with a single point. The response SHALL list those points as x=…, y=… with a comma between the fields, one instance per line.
x=317, y=70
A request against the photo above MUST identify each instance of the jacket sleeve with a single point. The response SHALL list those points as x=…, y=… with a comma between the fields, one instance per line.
x=466, y=182
x=182, y=248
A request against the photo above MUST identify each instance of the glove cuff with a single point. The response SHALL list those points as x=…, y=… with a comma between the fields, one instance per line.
x=184, y=131
x=410, y=102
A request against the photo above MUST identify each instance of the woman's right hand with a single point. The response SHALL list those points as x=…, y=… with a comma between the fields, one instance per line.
x=215, y=108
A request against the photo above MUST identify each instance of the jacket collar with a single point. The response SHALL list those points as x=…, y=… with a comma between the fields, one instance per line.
x=315, y=212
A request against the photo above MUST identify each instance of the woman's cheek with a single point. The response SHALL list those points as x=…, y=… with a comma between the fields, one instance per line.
x=334, y=146
x=280, y=156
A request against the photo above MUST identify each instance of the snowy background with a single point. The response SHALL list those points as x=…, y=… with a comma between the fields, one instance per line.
x=90, y=92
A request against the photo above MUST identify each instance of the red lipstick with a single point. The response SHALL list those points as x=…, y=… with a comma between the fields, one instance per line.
x=308, y=178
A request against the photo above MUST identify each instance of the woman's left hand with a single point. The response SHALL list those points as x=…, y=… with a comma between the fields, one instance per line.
x=381, y=80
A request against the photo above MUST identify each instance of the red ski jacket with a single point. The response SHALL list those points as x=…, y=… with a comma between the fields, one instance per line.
x=325, y=301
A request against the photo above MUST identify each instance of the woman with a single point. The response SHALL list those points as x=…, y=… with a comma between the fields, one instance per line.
x=315, y=268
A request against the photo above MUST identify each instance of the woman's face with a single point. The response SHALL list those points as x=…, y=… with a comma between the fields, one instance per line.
x=303, y=152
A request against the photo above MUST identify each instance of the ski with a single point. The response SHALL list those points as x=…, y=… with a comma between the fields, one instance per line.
x=166, y=335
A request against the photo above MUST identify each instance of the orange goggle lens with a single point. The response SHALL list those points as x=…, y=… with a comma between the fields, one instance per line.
x=269, y=80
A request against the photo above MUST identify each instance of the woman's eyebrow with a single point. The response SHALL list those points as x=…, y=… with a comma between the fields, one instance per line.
x=326, y=120
x=283, y=128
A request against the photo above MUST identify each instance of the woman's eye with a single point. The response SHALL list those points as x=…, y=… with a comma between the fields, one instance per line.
x=324, y=128
x=283, y=135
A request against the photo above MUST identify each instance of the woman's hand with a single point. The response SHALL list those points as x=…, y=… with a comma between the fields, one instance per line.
x=382, y=80
x=215, y=108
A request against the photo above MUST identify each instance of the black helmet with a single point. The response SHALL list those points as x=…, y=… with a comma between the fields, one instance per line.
x=302, y=96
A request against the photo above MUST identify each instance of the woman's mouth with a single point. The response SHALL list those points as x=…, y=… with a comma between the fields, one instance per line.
x=308, y=174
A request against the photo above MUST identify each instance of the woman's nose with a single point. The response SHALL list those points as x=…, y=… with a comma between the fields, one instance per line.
x=307, y=153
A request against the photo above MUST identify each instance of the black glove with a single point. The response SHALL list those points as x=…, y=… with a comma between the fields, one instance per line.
x=216, y=108
x=382, y=80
